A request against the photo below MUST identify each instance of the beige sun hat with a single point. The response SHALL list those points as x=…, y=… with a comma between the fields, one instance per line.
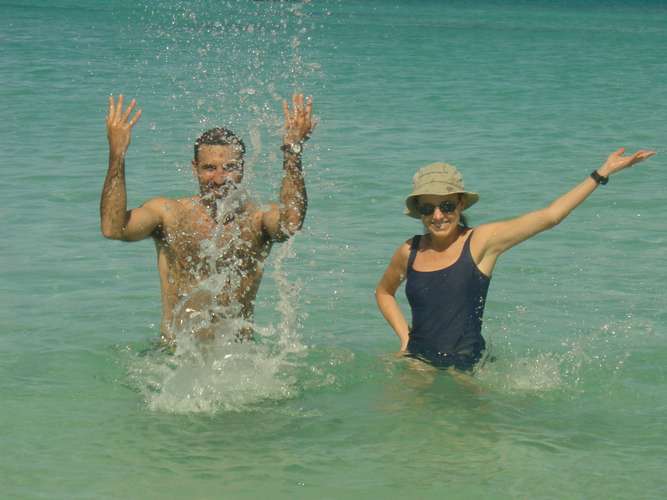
x=437, y=179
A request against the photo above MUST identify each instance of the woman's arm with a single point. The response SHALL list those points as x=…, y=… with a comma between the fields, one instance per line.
x=491, y=240
x=386, y=290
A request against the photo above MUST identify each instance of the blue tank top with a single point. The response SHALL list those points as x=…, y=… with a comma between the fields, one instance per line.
x=447, y=304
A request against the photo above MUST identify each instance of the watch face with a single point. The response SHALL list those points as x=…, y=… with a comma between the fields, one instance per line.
x=294, y=148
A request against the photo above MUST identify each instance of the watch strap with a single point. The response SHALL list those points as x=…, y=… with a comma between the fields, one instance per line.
x=599, y=179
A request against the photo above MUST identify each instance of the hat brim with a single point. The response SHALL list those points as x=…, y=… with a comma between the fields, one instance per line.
x=469, y=199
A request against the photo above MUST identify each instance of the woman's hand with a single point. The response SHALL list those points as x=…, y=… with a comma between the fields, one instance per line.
x=617, y=162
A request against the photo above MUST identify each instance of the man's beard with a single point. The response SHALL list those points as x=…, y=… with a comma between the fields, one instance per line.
x=211, y=193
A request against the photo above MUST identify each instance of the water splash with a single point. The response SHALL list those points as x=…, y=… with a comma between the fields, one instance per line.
x=236, y=58
x=587, y=362
x=213, y=365
x=230, y=62
x=219, y=272
x=224, y=373
x=222, y=376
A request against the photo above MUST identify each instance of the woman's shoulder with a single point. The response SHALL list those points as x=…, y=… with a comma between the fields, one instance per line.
x=413, y=242
x=481, y=233
x=402, y=253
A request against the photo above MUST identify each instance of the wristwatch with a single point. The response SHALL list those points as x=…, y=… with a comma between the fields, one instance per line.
x=294, y=148
x=599, y=179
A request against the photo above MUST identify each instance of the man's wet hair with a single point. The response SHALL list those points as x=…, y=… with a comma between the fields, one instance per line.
x=218, y=136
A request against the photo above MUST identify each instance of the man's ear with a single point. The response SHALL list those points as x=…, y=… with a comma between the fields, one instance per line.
x=194, y=167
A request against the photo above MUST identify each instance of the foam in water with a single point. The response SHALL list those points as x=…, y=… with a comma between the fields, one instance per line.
x=596, y=358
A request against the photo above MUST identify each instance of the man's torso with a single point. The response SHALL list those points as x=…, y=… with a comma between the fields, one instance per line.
x=210, y=270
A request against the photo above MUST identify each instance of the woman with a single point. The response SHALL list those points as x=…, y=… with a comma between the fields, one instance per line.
x=448, y=269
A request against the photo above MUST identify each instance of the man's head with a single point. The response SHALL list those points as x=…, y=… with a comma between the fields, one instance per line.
x=218, y=161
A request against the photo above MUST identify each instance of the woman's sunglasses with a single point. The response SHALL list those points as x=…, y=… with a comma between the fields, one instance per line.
x=446, y=207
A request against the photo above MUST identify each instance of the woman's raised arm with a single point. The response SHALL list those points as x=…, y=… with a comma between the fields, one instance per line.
x=491, y=240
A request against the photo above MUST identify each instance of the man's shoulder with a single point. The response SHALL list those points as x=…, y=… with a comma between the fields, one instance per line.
x=186, y=202
x=169, y=209
x=162, y=202
x=159, y=202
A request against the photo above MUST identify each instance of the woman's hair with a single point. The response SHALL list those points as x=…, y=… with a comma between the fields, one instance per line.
x=463, y=220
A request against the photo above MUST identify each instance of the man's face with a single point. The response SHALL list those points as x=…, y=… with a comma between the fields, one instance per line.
x=218, y=169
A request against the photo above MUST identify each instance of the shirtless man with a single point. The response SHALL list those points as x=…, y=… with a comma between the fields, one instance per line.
x=210, y=247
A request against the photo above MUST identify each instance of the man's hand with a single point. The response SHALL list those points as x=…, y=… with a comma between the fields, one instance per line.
x=119, y=126
x=299, y=120
x=284, y=219
x=617, y=162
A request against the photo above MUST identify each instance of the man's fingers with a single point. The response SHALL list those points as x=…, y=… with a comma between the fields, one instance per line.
x=299, y=118
x=110, y=111
x=309, y=106
x=297, y=100
x=135, y=118
x=119, y=107
x=129, y=109
x=313, y=126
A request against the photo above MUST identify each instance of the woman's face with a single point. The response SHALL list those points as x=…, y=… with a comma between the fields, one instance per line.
x=440, y=214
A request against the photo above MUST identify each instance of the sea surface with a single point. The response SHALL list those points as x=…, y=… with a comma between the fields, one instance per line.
x=526, y=98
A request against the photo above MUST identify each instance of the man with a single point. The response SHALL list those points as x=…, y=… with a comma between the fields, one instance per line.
x=210, y=247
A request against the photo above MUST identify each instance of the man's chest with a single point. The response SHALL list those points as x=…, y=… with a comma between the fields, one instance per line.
x=203, y=244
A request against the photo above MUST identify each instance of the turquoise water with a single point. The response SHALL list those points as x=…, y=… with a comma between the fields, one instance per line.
x=526, y=98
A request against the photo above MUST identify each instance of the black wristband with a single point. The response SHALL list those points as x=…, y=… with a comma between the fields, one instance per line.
x=599, y=179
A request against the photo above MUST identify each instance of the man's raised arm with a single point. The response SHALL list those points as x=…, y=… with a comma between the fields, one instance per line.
x=283, y=220
x=117, y=222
